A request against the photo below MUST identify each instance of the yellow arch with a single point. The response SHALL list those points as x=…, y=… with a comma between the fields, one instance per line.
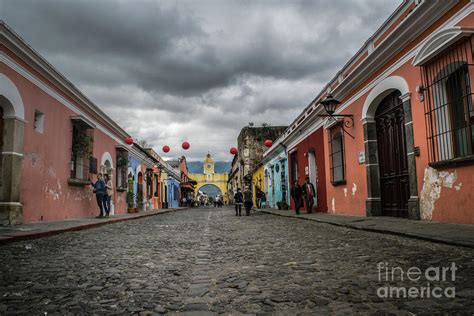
x=217, y=179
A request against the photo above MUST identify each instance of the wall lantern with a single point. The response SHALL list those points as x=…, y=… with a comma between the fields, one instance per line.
x=129, y=140
x=330, y=104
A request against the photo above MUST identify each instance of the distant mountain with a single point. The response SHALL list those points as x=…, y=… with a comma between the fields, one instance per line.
x=219, y=166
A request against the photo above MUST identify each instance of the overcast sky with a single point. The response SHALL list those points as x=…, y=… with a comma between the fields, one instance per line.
x=169, y=71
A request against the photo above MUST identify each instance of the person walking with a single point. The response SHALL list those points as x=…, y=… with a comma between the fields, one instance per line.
x=263, y=200
x=248, y=201
x=110, y=193
x=100, y=192
x=258, y=197
x=238, y=199
x=309, y=194
x=297, y=195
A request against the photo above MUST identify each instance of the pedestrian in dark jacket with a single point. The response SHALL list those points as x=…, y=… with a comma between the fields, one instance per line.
x=248, y=201
x=309, y=194
x=263, y=200
x=297, y=195
x=100, y=191
x=238, y=200
x=258, y=197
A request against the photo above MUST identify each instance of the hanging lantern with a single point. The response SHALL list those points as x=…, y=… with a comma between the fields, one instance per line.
x=185, y=145
x=233, y=151
x=166, y=148
x=129, y=140
x=268, y=143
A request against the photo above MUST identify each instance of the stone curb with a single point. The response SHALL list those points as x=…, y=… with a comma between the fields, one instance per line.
x=439, y=240
x=39, y=234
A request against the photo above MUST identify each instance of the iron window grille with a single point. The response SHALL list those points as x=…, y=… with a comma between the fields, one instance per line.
x=122, y=168
x=336, y=155
x=449, y=112
x=81, y=152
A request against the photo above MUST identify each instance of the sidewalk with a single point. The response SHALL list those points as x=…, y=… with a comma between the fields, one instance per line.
x=42, y=229
x=451, y=234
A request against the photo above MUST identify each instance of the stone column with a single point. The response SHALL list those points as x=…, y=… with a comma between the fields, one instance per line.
x=11, y=211
x=413, y=202
x=373, y=203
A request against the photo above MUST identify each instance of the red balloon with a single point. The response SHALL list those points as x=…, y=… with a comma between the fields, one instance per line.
x=268, y=143
x=185, y=145
x=233, y=151
x=129, y=140
x=166, y=148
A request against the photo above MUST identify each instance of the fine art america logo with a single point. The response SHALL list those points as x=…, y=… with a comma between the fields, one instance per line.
x=431, y=282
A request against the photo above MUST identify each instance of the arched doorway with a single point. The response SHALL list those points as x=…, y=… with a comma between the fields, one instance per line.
x=390, y=150
x=130, y=194
x=392, y=154
x=140, y=191
x=107, y=168
x=12, y=130
x=313, y=173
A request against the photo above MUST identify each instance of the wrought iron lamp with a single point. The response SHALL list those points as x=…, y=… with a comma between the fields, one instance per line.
x=330, y=104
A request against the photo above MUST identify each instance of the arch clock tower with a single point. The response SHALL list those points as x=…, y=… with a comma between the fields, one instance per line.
x=208, y=165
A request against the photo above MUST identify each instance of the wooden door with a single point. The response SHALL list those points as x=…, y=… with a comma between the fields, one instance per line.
x=393, y=164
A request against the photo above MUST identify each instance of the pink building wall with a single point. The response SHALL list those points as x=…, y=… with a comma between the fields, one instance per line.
x=45, y=192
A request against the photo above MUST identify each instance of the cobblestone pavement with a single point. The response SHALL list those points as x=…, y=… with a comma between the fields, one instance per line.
x=209, y=259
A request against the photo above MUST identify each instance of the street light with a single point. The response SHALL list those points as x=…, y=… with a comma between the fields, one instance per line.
x=330, y=104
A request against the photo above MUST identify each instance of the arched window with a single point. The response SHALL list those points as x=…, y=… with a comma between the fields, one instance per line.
x=448, y=104
x=337, y=156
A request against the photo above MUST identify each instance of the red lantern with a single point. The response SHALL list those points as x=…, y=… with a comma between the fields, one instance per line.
x=268, y=143
x=233, y=151
x=166, y=148
x=129, y=140
x=185, y=145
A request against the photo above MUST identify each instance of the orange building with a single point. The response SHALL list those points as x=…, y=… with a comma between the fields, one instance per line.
x=405, y=146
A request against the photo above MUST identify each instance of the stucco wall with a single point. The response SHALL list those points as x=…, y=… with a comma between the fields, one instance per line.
x=45, y=192
x=447, y=205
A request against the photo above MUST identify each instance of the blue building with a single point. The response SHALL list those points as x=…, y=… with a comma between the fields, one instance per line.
x=174, y=193
x=276, y=175
x=140, y=164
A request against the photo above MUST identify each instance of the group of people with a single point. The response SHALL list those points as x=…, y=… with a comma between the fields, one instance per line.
x=104, y=190
x=261, y=198
x=301, y=194
x=306, y=193
x=218, y=201
x=246, y=199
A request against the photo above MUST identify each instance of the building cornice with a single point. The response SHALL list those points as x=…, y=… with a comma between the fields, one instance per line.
x=14, y=43
x=415, y=23
x=421, y=17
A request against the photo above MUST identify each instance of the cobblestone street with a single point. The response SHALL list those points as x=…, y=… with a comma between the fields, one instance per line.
x=209, y=259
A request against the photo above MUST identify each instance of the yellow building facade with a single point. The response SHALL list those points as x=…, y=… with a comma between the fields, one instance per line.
x=257, y=182
x=210, y=177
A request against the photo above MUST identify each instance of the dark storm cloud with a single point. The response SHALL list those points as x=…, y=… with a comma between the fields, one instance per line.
x=197, y=68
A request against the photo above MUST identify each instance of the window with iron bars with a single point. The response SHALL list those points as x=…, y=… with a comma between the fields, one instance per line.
x=122, y=168
x=82, y=162
x=449, y=112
